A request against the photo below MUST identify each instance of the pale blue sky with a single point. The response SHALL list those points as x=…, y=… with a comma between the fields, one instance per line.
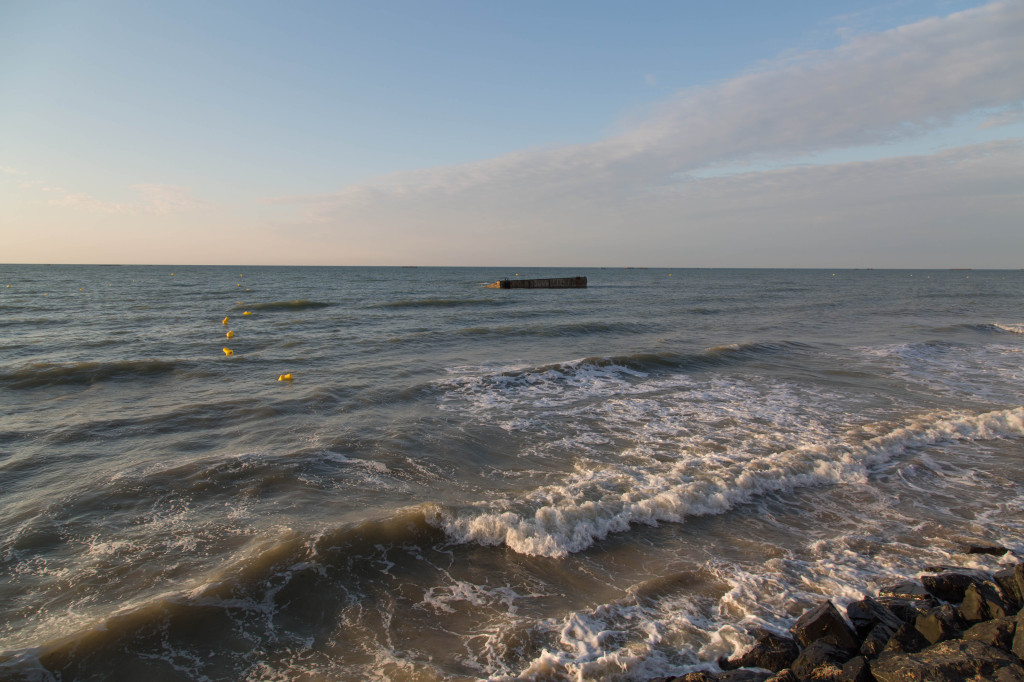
x=534, y=133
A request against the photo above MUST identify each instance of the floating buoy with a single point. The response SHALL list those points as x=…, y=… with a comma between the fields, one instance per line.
x=230, y=335
x=224, y=321
x=285, y=377
x=228, y=351
x=247, y=313
x=238, y=285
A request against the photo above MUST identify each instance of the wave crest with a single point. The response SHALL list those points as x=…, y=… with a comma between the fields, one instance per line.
x=558, y=520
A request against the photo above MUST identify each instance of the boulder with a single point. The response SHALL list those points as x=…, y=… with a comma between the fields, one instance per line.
x=786, y=675
x=1010, y=585
x=906, y=589
x=770, y=652
x=818, y=654
x=950, y=661
x=1018, y=637
x=856, y=669
x=949, y=586
x=907, y=640
x=998, y=633
x=828, y=672
x=939, y=624
x=823, y=622
x=983, y=548
x=867, y=613
x=907, y=610
x=982, y=602
x=742, y=676
x=875, y=641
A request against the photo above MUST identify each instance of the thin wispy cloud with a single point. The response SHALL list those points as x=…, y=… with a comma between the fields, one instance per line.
x=874, y=89
x=152, y=199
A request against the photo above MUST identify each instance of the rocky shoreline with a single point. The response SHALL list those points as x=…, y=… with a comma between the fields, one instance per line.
x=948, y=625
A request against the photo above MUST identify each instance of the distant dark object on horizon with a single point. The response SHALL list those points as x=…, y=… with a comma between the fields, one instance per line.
x=552, y=283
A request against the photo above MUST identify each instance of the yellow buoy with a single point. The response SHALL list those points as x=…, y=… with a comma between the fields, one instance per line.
x=285, y=377
x=247, y=313
x=230, y=335
x=228, y=351
x=238, y=285
x=224, y=321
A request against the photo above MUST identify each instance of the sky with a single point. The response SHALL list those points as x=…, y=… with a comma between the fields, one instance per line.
x=573, y=133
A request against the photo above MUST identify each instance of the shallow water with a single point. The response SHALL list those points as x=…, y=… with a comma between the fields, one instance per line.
x=468, y=483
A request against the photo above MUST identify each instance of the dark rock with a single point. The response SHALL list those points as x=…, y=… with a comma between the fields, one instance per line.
x=949, y=586
x=998, y=633
x=939, y=624
x=907, y=640
x=951, y=661
x=983, y=548
x=875, y=641
x=907, y=610
x=1018, y=637
x=1009, y=585
x=856, y=669
x=829, y=672
x=982, y=602
x=699, y=676
x=771, y=652
x=823, y=622
x=786, y=675
x=742, y=676
x=819, y=653
x=907, y=589
x=867, y=613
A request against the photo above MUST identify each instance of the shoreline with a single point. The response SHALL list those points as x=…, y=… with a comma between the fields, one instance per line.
x=947, y=624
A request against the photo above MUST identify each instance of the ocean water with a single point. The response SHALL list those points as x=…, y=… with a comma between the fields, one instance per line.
x=462, y=483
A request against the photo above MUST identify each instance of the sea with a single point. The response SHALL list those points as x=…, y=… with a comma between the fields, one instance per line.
x=399, y=474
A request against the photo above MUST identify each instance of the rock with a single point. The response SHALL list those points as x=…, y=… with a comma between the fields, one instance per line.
x=998, y=633
x=742, y=676
x=829, y=672
x=819, y=653
x=949, y=586
x=939, y=624
x=951, y=661
x=699, y=676
x=867, y=613
x=856, y=669
x=770, y=652
x=786, y=675
x=1009, y=585
x=823, y=622
x=982, y=602
x=983, y=548
x=907, y=610
x=1018, y=637
x=907, y=589
x=907, y=640
x=875, y=641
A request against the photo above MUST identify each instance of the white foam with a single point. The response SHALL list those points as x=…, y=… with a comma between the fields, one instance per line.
x=587, y=505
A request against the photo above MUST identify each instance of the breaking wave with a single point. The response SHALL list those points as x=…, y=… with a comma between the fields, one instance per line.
x=561, y=519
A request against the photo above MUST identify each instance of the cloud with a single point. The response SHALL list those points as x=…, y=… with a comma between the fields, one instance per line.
x=578, y=199
x=154, y=199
